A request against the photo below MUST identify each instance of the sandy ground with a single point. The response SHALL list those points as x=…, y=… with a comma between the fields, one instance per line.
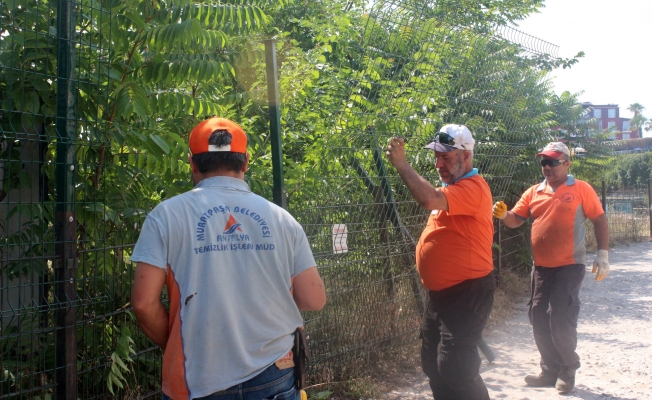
x=615, y=340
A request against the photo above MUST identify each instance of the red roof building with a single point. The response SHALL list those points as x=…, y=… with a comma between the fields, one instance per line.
x=607, y=116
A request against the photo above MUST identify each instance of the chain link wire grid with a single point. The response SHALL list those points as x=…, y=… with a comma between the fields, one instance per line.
x=64, y=278
x=628, y=213
x=414, y=73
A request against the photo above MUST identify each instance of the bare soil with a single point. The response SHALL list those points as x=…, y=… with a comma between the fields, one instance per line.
x=615, y=342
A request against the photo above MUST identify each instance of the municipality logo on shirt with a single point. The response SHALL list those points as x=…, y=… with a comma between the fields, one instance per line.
x=233, y=238
x=231, y=226
x=232, y=230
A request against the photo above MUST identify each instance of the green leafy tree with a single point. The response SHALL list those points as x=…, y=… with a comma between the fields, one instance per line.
x=638, y=121
x=636, y=108
x=484, y=14
x=145, y=73
x=348, y=82
x=577, y=131
x=630, y=170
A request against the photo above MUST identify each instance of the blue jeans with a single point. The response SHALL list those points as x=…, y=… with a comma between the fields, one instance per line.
x=271, y=384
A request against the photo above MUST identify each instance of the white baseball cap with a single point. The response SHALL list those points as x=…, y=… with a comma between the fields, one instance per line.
x=451, y=137
x=554, y=149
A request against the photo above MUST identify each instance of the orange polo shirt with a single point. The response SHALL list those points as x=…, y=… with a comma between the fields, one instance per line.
x=558, y=229
x=456, y=244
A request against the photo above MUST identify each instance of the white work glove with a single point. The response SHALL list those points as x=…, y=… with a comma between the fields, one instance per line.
x=500, y=210
x=601, y=265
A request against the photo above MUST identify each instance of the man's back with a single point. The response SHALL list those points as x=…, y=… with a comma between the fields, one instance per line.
x=230, y=257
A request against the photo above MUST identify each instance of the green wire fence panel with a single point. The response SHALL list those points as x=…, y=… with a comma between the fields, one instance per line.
x=65, y=328
x=415, y=71
x=628, y=212
x=97, y=98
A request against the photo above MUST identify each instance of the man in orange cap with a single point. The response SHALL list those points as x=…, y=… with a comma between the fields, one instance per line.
x=238, y=270
x=559, y=206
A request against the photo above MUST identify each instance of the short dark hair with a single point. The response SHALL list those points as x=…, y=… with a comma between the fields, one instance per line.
x=219, y=160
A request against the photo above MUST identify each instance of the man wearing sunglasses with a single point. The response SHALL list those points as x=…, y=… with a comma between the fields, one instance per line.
x=454, y=262
x=559, y=206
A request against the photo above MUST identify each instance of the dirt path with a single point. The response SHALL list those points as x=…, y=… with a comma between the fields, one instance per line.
x=615, y=340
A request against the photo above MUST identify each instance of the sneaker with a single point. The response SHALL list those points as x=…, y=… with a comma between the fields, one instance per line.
x=544, y=379
x=566, y=380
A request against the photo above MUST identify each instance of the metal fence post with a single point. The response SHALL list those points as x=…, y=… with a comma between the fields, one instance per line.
x=65, y=238
x=649, y=203
x=500, y=252
x=278, y=190
x=604, y=197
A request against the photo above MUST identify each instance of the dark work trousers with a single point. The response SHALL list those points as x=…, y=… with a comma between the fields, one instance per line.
x=554, y=309
x=451, y=331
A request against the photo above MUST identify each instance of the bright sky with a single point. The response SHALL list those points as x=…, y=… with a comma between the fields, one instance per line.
x=616, y=38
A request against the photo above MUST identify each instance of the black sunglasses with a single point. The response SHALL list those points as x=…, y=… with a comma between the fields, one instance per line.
x=446, y=139
x=551, y=163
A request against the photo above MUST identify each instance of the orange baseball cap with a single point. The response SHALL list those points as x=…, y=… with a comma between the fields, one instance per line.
x=200, y=134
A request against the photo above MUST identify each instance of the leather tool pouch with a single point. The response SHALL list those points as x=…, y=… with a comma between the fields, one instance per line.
x=301, y=356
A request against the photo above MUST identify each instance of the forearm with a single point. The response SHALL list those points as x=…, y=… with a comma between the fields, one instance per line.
x=601, y=229
x=305, y=305
x=154, y=323
x=511, y=220
x=422, y=191
x=308, y=290
x=602, y=240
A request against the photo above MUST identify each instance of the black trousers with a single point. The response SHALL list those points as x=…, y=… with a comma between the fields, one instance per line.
x=554, y=310
x=451, y=331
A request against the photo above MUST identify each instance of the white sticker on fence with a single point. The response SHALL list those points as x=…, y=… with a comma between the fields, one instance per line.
x=339, y=239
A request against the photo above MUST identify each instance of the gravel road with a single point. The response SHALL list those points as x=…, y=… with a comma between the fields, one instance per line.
x=615, y=340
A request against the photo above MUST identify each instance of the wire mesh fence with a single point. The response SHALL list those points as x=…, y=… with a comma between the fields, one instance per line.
x=413, y=73
x=71, y=198
x=628, y=211
x=65, y=280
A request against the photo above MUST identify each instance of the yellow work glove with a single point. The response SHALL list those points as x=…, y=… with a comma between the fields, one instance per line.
x=500, y=210
x=304, y=395
x=601, y=265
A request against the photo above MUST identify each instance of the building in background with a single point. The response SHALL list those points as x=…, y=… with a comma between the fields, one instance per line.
x=607, y=116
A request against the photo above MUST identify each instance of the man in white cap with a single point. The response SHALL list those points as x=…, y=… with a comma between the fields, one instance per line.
x=559, y=206
x=454, y=262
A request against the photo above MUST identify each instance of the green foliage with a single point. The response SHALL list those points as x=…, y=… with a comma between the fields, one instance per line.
x=147, y=72
x=12, y=169
x=485, y=14
x=577, y=132
x=630, y=170
x=417, y=79
x=638, y=121
x=122, y=355
x=319, y=395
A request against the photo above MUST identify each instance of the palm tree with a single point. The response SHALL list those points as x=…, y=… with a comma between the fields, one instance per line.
x=638, y=120
x=636, y=108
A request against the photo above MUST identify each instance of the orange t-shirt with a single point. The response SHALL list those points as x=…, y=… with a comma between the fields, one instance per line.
x=456, y=244
x=558, y=228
